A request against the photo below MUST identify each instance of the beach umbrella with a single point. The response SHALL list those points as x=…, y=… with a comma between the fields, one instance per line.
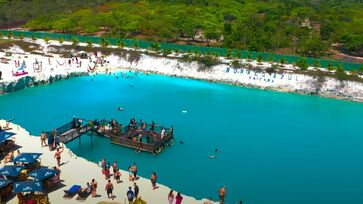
x=11, y=170
x=43, y=173
x=27, y=186
x=4, y=182
x=4, y=135
x=27, y=157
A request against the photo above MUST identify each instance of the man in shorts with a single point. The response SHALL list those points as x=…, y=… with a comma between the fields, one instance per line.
x=109, y=189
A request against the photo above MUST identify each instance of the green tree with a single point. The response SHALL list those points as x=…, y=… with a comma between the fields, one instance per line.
x=75, y=41
x=236, y=63
x=282, y=61
x=121, y=44
x=10, y=35
x=21, y=37
x=104, y=42
x=249, y=57
x=46, y=39
x=330, y=66
x=155, y=46
x=259, y=59
x=229, y=53
x=89, y=43
x=340, y=73
x=239, y=55
x=33, y=38
x=136, y=45
x=166, y=52
x=317, y=64
x=302, y=64
x=60, y=40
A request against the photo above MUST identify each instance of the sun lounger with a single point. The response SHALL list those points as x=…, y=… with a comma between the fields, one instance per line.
x=69, y=194
x=82, y=195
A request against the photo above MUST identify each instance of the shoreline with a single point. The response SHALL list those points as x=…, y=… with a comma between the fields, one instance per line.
x=281, y=80
x=87, y=170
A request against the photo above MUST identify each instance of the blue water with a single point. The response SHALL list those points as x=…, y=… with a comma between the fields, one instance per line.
x=274, y=148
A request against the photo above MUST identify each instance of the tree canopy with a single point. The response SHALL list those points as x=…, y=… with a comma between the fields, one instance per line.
x=304, y=27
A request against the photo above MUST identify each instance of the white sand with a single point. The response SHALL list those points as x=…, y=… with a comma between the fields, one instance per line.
x=80, y=171
x=285, y=82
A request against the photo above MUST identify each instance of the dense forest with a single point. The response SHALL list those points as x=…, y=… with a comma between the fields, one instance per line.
x=304, y=27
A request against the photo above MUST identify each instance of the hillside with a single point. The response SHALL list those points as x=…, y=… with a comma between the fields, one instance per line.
x=302, y=27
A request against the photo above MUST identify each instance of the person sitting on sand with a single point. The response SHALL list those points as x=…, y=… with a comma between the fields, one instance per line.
x=9, y=157
x=57, y=155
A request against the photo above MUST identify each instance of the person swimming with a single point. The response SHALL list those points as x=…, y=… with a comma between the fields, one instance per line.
x=120, y=108
x=212, y=156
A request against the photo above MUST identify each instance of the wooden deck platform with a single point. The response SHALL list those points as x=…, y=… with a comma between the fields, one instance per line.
x=118, y=135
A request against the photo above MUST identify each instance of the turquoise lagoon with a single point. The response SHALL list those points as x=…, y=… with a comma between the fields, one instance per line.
x=274, y=148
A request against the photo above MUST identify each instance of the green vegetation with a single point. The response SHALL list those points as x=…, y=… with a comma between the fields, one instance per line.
x=302, y=27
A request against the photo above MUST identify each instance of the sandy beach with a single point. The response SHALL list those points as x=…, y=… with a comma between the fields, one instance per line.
x=77, y=170
x=54, y=65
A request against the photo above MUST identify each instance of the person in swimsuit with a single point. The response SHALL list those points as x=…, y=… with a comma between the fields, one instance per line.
x=178, y=199
x=153, y=180
x=57, y=155
x=43, y=137
x=117, y=176
x=109, y=189
x=134, y=170
x=171, y=197
x=94, y=188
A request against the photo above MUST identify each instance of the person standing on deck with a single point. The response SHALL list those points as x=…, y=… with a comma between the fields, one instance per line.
x=57, y=141
x=222, y=194
x=57, y=155
x=74, y=122
x=162, y=134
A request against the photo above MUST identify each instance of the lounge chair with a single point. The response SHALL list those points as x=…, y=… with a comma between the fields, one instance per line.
x=83, y=194
x=69, y=194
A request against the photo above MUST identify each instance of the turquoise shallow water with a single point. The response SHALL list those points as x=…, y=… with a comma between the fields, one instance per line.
x=274, y=148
